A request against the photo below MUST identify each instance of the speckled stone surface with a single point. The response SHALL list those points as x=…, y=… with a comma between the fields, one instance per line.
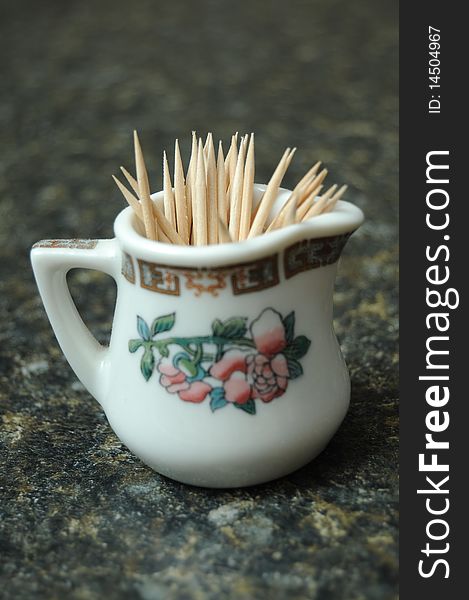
x=81, y=517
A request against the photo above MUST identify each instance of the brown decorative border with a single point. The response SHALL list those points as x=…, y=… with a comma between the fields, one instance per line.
x=312, y=254
x=128, y=270
x=256, y=276
x=158, y=278
x=205, y=281
x=72, y=244
x=245, y=277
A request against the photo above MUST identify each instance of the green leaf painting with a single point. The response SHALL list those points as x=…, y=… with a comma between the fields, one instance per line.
x=161, y=324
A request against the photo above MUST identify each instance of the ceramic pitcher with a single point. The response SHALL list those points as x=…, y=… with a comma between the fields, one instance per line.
x=223, y=368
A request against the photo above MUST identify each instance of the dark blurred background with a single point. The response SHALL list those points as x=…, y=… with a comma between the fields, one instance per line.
x=81, y=517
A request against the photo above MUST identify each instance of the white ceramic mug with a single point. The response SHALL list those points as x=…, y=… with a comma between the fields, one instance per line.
x=223, y=368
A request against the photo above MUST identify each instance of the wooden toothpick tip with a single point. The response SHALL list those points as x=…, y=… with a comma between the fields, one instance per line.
x=130, y=198
x=168, y=194
x=208, y=141
x=182, y=219
x=144, y=190
x=212, y=198
x=306, y=205
x=312, y=185
x=270, y=194
x=318, y=206
x=309, y=174
x=335, y=198
x=221, y=186
x=190, y=179
x=231, y=161
x=301, y=191
x=200, y=205
x=132, y=181
x=236, y=191
x=248, y=191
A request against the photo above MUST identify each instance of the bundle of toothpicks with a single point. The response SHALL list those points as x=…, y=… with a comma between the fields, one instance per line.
x=213, y=201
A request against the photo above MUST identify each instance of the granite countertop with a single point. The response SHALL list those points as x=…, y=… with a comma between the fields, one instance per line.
x=80, y=516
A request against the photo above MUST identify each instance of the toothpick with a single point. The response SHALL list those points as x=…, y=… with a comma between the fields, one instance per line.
x=168, y=196
x=206, y=145
x=314, y=183
x=224, y=236
x=167, y=227
x=221, y=186
x=319, y=205
x=236, y=191
x=309, y=175
x=270, y=194
x=193, y=195
x=133, y=202
x=144, y=191
x=228, y=158
x=180, y=195
x=308, y=193
x=279, y=218
x=308, y=203
x=162, y=237
x=200, y=205
x=290, y=215
x=159, y=203
x=248, y=191
x=231, y=161
x=132, y=181
x=333, y=201
x=190, y=180
x=212, y=200
x=304, y=189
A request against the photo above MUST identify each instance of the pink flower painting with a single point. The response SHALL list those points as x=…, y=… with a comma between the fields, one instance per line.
x=177, y=382
x=250, y=364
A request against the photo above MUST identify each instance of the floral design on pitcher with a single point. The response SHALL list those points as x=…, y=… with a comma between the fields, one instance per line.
x=235, y=364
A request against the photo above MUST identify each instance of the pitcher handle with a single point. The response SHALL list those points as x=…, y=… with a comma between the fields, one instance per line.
x=51, y=261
